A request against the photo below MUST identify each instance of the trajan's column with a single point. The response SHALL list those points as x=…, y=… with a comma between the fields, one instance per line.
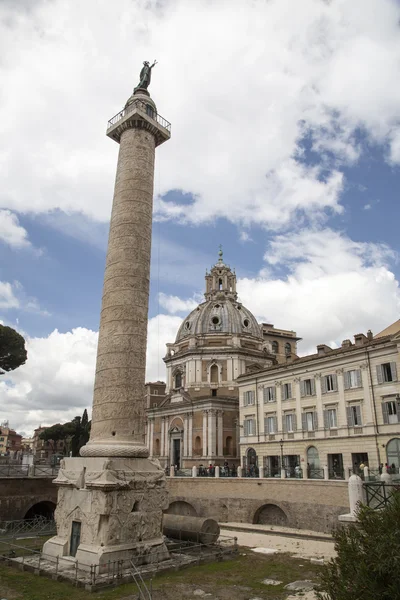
x=110, y=500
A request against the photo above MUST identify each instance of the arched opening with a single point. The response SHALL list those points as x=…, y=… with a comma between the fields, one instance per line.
x=214, y=374
x=270, y=514
x=220, y=284
x=275, y=347
x=157, y=447
x=288, y=349
x=393, y=453
x=178, y=380
x=223, y=513
x=180, y=507
x=250, y=463
x=43, y=509
x=229, y=445
x=313, y=464
x=197, y=446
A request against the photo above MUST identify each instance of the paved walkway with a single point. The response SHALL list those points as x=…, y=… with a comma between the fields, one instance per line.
x=281, y=539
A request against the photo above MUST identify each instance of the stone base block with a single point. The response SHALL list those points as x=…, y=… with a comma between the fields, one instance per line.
x=109, y=509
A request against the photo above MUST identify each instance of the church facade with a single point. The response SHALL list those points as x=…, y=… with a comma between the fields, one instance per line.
x=193, y=419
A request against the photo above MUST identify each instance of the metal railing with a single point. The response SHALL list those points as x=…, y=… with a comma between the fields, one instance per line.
x=37, y=526
x=14, y=470
x=45, y=470
x=146, y=108
x=379, y=493
x=182, y=553
x=315, y=473
x=336, y=473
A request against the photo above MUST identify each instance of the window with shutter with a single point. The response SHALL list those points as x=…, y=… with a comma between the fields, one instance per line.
x=302, y=388
x=312, y=381
x=315, y=421
x=294, y=422
x=385, y=412
x=346, y=380
x=323, y=385
x=326, y=420
x=357, y=416
x=379, y=373
x=334, y=383
x=304, y=421
x=358, y=378
x=349, y=412
x=393, y=369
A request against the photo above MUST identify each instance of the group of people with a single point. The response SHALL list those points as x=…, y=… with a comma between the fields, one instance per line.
x=225, y=470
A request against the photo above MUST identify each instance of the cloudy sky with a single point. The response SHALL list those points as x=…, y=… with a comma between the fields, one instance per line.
x=285, y=149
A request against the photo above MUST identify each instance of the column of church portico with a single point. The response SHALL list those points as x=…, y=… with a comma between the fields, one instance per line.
x=220, y=418
x=212, y=433
x=190, y=436
x=185, y=434
x=148, y=435
x=205, y=445
x=162, y=450
x=151, y=437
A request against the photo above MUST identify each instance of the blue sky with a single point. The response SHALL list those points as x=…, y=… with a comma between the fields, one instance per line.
x=285, y=149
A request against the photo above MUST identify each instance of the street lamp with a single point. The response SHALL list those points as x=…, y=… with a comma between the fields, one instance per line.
x=282, y=468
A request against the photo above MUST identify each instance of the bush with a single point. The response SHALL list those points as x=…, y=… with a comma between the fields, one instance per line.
x=367, y=566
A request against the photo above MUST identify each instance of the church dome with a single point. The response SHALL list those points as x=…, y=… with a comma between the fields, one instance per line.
x=219, y=316
x=221, y=313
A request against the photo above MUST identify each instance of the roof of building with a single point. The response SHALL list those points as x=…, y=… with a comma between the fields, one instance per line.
x=327, y=354
x=391, y=329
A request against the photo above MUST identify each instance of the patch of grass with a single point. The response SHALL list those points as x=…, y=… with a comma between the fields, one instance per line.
x=232, y=579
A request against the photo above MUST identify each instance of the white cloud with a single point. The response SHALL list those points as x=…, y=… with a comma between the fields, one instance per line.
x=11, y=232
x=162, y=329
x=335, y=287
x=56, y=382
x=248, y=85
x=8, y=298
x=173, y=304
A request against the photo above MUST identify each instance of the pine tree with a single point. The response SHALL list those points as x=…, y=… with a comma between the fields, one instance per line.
x=12, y=349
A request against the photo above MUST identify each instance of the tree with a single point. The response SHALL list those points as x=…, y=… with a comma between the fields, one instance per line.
x=81, y=433
x=54, y=434
x=367, y=566
x=12, y=349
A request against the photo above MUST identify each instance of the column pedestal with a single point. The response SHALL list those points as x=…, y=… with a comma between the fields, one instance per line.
x=117, y=504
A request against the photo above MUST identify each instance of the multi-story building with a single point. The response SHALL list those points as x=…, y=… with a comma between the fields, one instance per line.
x=338, y=408
x=44, y=449
x=10, y=441
x=196, y=420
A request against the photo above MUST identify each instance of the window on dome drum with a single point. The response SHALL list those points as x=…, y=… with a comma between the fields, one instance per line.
x=220, y=284
x=275, y=347
x=213, y=392
x=215, y=320
x=246, y=322
x=187, y=325
x=214, y=374
x=354, y=416
x=288, y=349
x=178, y=380
x=386, y=372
